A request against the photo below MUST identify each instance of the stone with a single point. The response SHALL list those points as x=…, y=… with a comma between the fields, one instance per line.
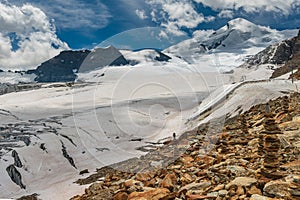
x=236, y=169
x=242, y=181
x=150, y=183
x=187, y=159
x=186, y=178
x=223, y=193
x=169, y=181
x=144, y=176
x=120, y=196
x=195, y=186
x=240, y=191
x=254, y=190
x=196, y=197
x=154, y=194
x=131, y=182
x=277, y=189
x=259, y=197
x=219, y=187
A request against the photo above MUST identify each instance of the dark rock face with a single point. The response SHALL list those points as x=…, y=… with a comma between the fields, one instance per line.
x=15, y=176
x=162, y=57
x=274, y=54
x=17, y=159
x=67, y=156
x=29, y=197
x=120, y=61
x=286, y=53
x=101, y=57
x=63, y=68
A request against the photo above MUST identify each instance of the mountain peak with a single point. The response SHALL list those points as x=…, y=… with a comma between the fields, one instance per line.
x=241, y=24
x=239, y=21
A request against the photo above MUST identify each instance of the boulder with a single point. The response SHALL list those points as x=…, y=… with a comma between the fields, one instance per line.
x=169, y=181
x=277, y=188
x=242, y=181
x=195, y=186
x=153, y=194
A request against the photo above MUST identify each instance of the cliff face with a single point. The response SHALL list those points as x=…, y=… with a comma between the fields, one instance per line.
x=255, y=156
x=295, y=61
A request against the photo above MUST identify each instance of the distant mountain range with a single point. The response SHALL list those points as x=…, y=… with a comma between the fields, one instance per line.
x=237, y=36
x=239, y=40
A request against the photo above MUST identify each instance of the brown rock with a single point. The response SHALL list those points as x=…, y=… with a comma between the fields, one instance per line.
x=144, y=176
x=171, y=196
x=186, y=159
x=186, y=178
x=240, y=191
x=259, y=197
x=195, y=186
x=150, y=183
x=169, y=181
x=120, y=196
x=154, y=194
x=195, y=196
x=219, y=187
x=277, y=189
x=254, y=190
x=130, y=183
x=242, y=181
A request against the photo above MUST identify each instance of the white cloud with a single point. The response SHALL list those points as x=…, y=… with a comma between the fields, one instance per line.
x=226, y=14
x=200, y=34
x=37, y=40
x=281, y=6
x=73, y=14
x=175, y=14
x=141, y=14
x=183, y=14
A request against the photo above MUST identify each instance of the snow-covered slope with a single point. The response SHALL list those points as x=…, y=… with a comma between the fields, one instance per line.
x=89, y=125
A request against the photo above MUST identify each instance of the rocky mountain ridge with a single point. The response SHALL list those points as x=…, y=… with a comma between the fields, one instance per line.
x=285, y=54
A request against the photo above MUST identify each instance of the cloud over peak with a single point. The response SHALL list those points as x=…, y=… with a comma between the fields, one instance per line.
x=175, y=15
x=33, y=34
x=280, y=6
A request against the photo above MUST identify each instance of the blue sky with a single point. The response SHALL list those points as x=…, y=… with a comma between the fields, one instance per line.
x=122, y=16
x=63, y=24
x=83, y=24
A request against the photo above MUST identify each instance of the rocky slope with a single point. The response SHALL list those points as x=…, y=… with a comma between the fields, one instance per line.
x=256, y=156
x=284, y=54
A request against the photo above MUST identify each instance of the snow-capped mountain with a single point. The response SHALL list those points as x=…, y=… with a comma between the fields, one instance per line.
x=280, y=56
x=238, y=36
x=278, y=53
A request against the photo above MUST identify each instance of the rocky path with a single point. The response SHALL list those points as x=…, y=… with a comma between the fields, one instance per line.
x=255, y=156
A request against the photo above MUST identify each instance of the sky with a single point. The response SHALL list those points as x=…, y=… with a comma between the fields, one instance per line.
x=32, y=31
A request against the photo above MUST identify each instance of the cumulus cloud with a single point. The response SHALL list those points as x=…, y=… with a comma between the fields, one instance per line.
x=73, y=14
x=141, y=14
x=226, y=14
x=282, y=6
x=175, y=14
x=36, y=38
